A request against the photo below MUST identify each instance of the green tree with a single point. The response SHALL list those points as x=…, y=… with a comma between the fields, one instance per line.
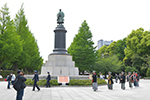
x=82, y=49
x=148, y=72
x=107, y=64
x=102, y=51
x=10, y=44
x=119, y=49
x=30, y=57
x=130, y=69
x=138, y=45
x=111, y=48
x=115, y=48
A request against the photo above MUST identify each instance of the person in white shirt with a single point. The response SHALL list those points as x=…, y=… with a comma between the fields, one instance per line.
x=13, y=78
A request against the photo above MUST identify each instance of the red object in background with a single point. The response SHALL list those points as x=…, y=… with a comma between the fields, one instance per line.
x=5, y=79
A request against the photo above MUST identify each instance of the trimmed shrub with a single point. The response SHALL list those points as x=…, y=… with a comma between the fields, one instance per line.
x=75, y=82
x=42, y=82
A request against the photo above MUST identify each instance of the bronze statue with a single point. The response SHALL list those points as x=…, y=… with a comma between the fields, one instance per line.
x=60, y=17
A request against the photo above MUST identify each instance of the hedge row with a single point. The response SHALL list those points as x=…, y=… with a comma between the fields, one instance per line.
x=42, y=82
x=73, y=82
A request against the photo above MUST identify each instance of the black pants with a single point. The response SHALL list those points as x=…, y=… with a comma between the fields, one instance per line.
x=8, y=86
x=48, y=84
x=20, y=94
x=35, y=85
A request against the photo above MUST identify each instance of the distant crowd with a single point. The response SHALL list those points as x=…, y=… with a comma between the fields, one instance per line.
x=133, y=79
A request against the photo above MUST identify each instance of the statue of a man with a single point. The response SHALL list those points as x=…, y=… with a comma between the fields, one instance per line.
x=60, y=18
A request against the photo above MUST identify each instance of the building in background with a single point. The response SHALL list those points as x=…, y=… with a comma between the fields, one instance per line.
x=101, y=42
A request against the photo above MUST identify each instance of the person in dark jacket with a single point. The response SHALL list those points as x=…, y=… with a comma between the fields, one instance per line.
x=116, y=78
x=48, y=79
x=94, y=81
x=122, y=81
x=130, y=78
x=9, y=79
x=119, y=77
x=110, y=81
x=36, y=79
x=21, y=79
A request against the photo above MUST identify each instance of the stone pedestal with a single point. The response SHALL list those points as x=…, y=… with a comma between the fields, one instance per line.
x=60, y=62
x=60, y=65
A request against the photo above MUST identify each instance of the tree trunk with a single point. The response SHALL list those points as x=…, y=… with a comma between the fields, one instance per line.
x=83, y=72
x=15, y=67
x=105, y=75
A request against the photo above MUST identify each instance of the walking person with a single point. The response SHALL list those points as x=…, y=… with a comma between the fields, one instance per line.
x=36, y=79
x=116, y=78
x=13, y=78
x=48, y=79
x=130, y=80
x=9, y=79
x=94, y=81
x=21, y=79
x=122, y=81
x=110, y=81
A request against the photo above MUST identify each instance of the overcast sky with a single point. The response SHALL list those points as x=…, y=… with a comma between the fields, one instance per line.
x=107, y=19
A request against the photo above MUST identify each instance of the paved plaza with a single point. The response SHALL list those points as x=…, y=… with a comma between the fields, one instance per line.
x=80, y=93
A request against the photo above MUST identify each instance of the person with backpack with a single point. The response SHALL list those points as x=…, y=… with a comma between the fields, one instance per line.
x=135, y=79
x=36, y=79
x=94, y=81
x=9, y=79
x=48, y=79
x=19, y=85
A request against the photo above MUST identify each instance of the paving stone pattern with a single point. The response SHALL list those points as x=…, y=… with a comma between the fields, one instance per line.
x=80, y=93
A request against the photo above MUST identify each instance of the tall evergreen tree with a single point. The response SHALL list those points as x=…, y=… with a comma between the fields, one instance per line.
x=82, y=49
x=30, y=52
x=10, y=44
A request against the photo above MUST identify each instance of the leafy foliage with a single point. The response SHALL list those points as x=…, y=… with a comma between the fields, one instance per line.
x=137, y=51
x=18, y=47
x=105, y=65
x=148, y=72
x=82, y=49
x=130, y=69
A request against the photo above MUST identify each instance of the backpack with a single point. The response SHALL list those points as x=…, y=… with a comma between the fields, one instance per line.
x=17, y=84
x=131, y=80
x=8, y=78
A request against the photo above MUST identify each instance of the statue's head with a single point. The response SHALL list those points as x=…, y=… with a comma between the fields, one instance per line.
x=59, y=9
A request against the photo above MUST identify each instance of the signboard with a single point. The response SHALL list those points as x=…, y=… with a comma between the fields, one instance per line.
x=63, y=79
